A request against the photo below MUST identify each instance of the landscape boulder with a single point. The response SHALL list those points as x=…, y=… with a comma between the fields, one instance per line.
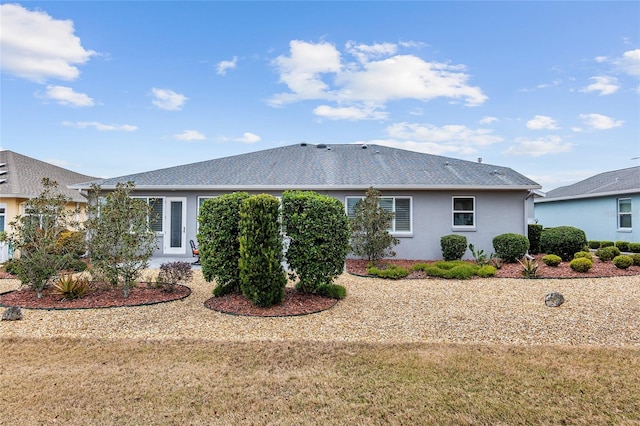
x=553, y=300
x=12, y=313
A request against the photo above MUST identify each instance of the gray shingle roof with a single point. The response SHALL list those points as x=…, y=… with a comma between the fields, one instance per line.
x=622, y=181
x=346, y=166
x=21, y=177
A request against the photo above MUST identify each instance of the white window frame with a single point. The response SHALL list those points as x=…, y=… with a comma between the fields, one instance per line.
x=472, y=211
x=393, y=229
x=621, y=214
x=162, y=216
x=199, y=200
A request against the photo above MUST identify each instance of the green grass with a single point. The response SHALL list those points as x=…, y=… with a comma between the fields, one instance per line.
x=126, y=382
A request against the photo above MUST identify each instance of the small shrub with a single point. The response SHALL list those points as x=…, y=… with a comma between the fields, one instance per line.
x=551, y=260
x=585, y=254
x=534, y=233
x=510, y=247
x=457, y=269
x=563, y=241
x=71, y=288
x=173, y=273
x=462, y=271
x=453, y=246
x=623, y=261
x=593, y=244
x=393, y=272
x=622, y=245
x=529, y=268
x=12, y=266
x=636, y=259
x=606, y=243
x=486, y=271
x=581, y=264
x=334, y=291
x=77, y=265
x=606, y=254
x=634, y=247
x=479, y=256
x=496, y=262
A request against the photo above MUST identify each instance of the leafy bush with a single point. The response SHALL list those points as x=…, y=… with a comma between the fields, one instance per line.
x=448, y=269
x=453, y=246
x=12, y=266
x=623, y=261
x=370, y=237
x=634, y=247
x=72, y=242
x=636, y=259
x=479, y=256
x=262, y=277
x=534, y=231
x=71, y=288
x=173, y=273
x=333, y=291
x=510, y=247
x=551, y=260
x=563, y=241
x=218, y=243
x=606, y=243
x=581, y=264
x=529, y=268
x=391, y=271
x=593, y=244
x=607, y=253
x=462, y=271
x=486, y=271
x=318, y=231
x=585, y=254
x=622, y=245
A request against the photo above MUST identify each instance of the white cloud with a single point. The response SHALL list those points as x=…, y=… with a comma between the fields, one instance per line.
x=223, y=66
x=66, y=96
x=37, y=47
x=316, y=71
x=190, y=135
x=427, y=147
x=101, y=127
x=488, y=120
x=542, y=122
x=629, y=63
x=599, y=121
x=603, y=84
x=349, y=113
x=168, y=99
x=454, y=135
x=600, y=59
x=248, y=137
x=542, y=146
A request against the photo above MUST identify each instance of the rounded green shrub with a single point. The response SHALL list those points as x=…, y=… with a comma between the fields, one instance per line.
x=605, y=254
x=606, y=243
x=563, y=241
x=393, y=272
x=486, y=271
x=510, y=247
x=593, y=244
x=634, y=247
x=551, y=260
x=636, y=259
x=462, y=271
x=623, y=261
x=453, y=246
x=581, y=264
x=334, y=291
x=622, y=245
x=586, y=254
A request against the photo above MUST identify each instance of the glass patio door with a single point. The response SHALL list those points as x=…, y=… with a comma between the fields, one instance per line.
x=175, y=236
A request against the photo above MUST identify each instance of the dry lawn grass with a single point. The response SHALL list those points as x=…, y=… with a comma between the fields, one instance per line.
x=135, y=382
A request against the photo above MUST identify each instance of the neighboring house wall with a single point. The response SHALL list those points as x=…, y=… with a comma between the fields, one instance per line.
x=495, y=212
x=598, y=217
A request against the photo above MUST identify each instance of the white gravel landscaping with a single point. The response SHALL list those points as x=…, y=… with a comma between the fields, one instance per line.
x=596, y=312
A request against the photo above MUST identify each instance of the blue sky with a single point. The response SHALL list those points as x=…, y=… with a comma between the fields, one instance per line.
x=550, y=89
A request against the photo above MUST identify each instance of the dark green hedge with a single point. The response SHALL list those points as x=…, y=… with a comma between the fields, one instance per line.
x=510, y=247
x=535, y=232
x=453, y=246
x=563, y=241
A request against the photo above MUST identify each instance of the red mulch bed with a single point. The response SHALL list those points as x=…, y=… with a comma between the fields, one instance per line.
x=294, y=303
x=512, y=270
x=100, y=296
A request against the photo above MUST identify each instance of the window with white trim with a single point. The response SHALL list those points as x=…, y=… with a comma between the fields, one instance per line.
x=3, y=213
x=624, y=213
x=400, y=206
x=156, y=215
x=464, y=212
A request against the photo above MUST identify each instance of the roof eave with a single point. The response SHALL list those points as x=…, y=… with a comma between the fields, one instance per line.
x=594, y=195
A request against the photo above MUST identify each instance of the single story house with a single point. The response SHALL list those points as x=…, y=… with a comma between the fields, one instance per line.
x=431, y=195
x=605, y=206
x=21, y=179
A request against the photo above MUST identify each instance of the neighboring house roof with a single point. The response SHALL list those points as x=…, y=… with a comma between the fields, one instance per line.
x=616, y=182
x=325, y=167
x=21, y=177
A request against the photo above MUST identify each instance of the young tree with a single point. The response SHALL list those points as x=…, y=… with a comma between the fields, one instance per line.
x=121, y=241
x=370, y=237
x=37, y=235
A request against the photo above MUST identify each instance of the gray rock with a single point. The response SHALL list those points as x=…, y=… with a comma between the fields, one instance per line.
x=553, y=300
x=12, y=313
